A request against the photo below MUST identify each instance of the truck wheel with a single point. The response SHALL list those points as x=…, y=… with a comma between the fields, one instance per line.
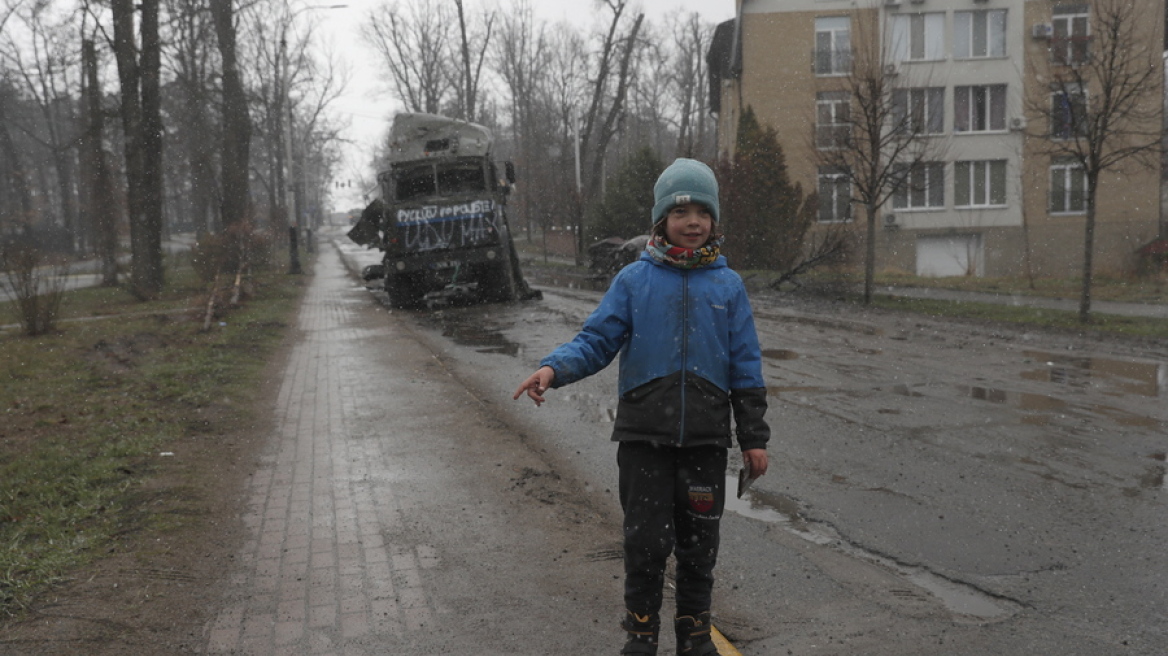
x=502, y=284
x=404, y=292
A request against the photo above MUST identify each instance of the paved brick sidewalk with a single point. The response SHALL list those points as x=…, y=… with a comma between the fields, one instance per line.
x=370, y=533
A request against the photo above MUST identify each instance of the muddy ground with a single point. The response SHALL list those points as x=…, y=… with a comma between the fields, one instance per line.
x=972, y=481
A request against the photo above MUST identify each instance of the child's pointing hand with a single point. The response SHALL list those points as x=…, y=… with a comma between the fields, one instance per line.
x=536, y=384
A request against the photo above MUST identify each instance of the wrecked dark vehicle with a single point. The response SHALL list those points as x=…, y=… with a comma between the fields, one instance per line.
x=608, y=256
x=441, y=220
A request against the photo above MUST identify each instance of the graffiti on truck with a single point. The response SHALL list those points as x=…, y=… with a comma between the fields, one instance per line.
x=433, y=227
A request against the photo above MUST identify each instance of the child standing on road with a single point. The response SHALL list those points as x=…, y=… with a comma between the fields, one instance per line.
x=690, y=358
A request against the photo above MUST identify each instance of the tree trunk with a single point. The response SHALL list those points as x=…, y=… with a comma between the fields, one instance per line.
x=468, y=82
x=141, y=121
x=236, y=122
x=1088, y=248
x=102, y=207
x=870, y=254
x=149, y=277
x=16, y=172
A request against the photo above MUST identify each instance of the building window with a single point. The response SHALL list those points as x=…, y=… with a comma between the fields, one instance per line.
x=833, y=46
x=835, y=195
x=833, y=123
x=919, y=186
x=979, y=34
x=1070, y=42
x=979, y=184
x=1068, y=112
x=979, y=109
x=918, y=37
x=1068, y=188
x=919, y=111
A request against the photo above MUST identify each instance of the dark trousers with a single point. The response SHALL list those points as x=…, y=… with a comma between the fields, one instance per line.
x=673, y=499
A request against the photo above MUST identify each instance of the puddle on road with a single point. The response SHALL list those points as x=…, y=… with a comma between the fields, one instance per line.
x=1041, y=403
x=780, y=354
x=773, y=509
x=1142, y=378
x=778, y=390
x=470, y=329
x=959, y=598
x=568, y=281
x=1154, y=478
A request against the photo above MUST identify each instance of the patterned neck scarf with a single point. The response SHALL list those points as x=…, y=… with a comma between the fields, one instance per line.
x=683, y=258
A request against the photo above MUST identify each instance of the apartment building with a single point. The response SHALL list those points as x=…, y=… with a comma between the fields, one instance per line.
x=976, y=77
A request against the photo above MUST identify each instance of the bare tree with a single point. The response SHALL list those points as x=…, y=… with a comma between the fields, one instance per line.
x=606, y=104
x=518, y=57
x=42, y=55
x=691, y=77
x=877, y=141
x=472, y=62
x=1102, y=109
x=560, y=89
x=324, y=82
x=192, y=60
x=413, y=43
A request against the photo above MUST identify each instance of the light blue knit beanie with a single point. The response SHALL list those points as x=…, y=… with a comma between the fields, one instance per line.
x=685, y=181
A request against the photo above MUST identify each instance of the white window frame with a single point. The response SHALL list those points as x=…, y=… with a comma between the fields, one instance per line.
x=921, y=187
x=925, y=109
x=979, y=183
x=1068, y=112
x=837, y=51
x=835, y=195
x=1068, y=174
x=980, y=108
x=918, y=37
x=979, y=34
x=833, y=122
x=1070, y=41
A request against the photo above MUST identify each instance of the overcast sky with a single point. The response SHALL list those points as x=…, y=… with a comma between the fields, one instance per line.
x=367, y=102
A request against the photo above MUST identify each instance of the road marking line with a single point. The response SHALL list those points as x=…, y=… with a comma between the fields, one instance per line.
x=723, y=645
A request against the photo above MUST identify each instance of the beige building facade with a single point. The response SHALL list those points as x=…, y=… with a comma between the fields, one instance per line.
x=976, y=74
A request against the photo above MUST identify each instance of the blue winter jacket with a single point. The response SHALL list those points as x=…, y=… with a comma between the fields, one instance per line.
x=689, y=355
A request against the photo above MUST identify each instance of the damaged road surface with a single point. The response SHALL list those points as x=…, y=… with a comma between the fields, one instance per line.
x=936, y=487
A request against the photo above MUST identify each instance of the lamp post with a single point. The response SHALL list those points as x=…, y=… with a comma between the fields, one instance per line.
x=285, y=152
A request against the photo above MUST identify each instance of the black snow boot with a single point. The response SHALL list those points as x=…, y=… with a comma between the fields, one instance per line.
x=693, y=635
x=643, y=630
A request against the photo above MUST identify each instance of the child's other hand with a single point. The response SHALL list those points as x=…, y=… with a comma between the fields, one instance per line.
x=536, y=384
x=756, y=461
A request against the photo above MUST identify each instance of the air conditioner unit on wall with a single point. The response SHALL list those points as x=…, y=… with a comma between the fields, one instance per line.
x=890, y=221
x=890, y=70
x=1017, y=123
x=1041, y=30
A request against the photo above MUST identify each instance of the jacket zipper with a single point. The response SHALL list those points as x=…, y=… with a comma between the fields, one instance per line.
x=684, y=348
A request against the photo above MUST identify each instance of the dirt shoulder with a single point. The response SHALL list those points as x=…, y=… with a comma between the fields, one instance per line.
x=155, y=590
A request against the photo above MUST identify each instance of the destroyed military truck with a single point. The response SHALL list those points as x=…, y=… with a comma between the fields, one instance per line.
x=441, y=219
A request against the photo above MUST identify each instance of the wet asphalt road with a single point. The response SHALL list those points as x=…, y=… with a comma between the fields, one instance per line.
x=935, y=488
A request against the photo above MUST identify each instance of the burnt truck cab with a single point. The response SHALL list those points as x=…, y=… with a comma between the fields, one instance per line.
x=441, y=220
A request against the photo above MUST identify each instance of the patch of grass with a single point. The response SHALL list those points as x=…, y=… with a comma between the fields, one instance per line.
x=1150, y=289
x=1037, y=317
x=84, y=413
